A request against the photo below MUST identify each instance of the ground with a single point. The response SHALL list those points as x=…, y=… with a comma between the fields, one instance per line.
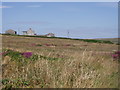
x=57, y=63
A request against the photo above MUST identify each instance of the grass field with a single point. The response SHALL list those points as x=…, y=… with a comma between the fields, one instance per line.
x=57, y=63
x=114, y=40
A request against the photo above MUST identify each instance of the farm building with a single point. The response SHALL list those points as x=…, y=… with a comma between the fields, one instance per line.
x=10, y=31
x=29, y=32
x=50, y=35
x=24, y=32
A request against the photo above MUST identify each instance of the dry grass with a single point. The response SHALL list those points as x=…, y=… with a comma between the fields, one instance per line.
x=80, y=65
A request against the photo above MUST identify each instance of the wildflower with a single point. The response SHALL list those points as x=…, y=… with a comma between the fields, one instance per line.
x=27, y=54
x=115, y=56
x=3, y=53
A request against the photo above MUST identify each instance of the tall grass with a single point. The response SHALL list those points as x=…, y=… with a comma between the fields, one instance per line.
x=82, y=65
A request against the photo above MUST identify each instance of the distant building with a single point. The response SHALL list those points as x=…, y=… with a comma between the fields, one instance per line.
x=10, y=31
x=50, y=35
x=29, y=32
x=24, y=32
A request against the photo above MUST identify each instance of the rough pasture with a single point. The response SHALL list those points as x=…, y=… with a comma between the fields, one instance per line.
x=57, y=63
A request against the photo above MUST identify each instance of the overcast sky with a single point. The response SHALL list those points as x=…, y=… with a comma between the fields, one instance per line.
x=81, y=19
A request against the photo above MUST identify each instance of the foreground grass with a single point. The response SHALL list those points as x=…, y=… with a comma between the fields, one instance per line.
x=59, y=64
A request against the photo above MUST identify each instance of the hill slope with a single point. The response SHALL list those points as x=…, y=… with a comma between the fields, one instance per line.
x=33, y=62
x=114, y=40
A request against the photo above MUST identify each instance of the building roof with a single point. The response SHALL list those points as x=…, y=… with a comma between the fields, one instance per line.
x=10, y=30
x=50, y=34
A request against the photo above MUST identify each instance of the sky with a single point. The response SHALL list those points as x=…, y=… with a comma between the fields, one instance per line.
x=81, y=19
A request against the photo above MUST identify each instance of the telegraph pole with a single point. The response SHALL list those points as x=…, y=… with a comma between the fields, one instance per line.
x=68, y=33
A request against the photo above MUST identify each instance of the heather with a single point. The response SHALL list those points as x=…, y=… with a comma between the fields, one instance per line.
x=116, y=56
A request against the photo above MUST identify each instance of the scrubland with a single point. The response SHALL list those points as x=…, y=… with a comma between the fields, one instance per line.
x=57, y=63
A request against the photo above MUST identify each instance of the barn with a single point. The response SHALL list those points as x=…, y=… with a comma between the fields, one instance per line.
x=50, y=35
x=10, y=31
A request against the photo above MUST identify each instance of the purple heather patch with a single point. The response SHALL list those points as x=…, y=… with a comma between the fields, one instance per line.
x=27, y=54
x=117, y=52
x=116, y=55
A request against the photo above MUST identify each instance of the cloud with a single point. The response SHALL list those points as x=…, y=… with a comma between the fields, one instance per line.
x=34, y=6
x=5, y=7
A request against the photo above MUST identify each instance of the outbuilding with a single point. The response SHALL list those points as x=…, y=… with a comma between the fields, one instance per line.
x=10, y=31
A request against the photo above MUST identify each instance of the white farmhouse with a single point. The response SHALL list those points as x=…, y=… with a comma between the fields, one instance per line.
x=29, y=32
